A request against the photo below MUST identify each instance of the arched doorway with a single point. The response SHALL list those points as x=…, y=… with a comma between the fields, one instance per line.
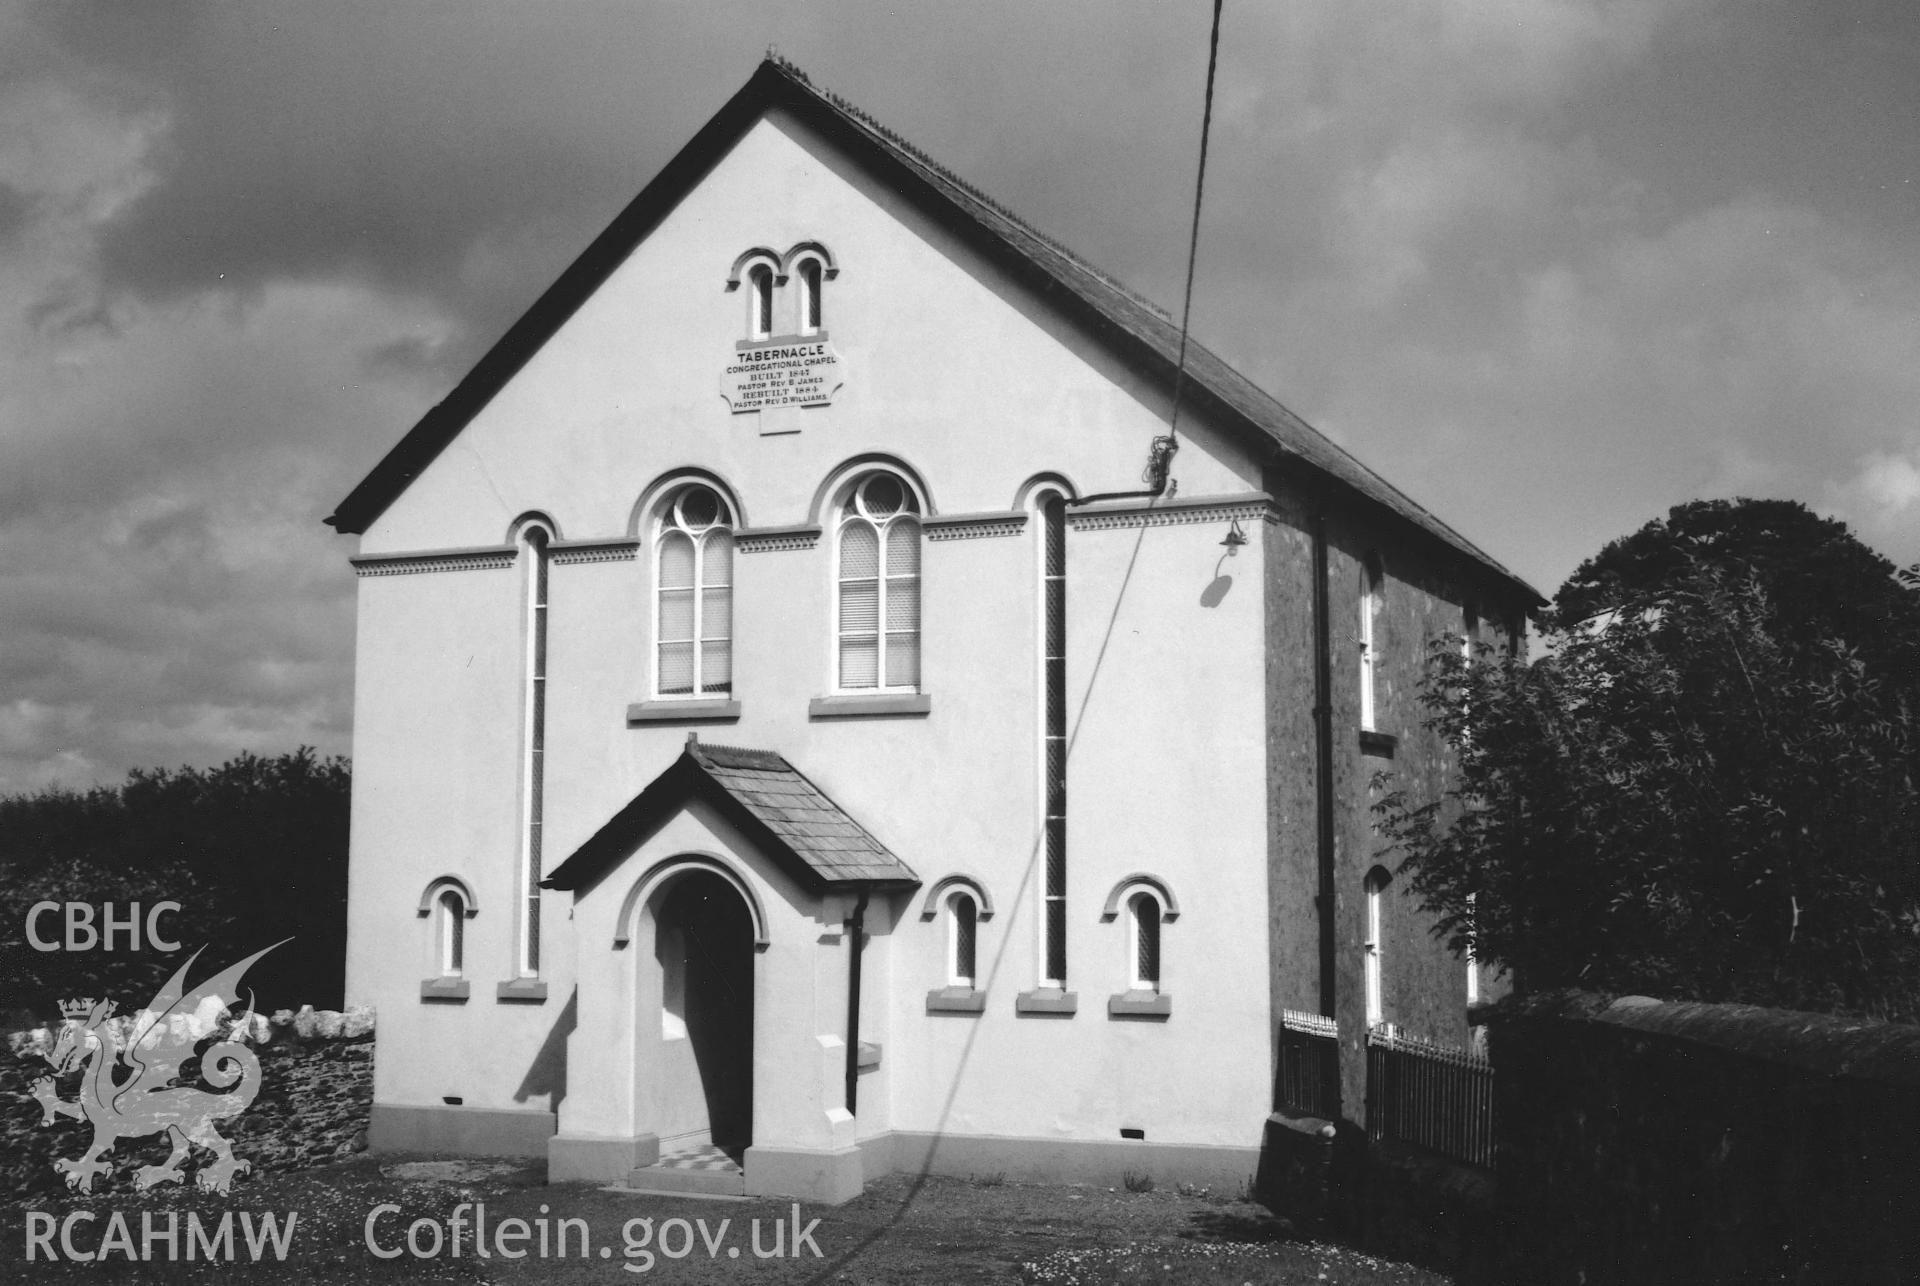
x=704, y=949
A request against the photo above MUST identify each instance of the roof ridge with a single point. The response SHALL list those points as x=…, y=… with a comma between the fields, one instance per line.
x=860, y=116
x=706, y=750
x=1118, y=313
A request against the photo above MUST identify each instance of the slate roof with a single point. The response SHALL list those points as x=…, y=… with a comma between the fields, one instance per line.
x=780, y=810
x=1143, y=333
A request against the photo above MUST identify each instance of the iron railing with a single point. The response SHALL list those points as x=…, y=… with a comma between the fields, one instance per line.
x=1309, y=1065
x=1430, y=1095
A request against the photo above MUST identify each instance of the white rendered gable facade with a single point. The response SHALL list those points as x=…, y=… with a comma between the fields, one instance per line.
x=984, y=402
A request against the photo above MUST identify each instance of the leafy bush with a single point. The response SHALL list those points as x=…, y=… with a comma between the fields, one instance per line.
x=254, y=851
x=1705, y=789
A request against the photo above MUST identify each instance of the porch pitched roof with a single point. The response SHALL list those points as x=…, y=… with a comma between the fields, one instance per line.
x=782, y=811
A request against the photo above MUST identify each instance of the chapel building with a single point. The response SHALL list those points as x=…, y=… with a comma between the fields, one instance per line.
x=811, y=722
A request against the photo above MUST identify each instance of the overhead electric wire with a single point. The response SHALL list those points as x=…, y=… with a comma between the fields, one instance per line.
x=1193, y=239
x=1161, y=452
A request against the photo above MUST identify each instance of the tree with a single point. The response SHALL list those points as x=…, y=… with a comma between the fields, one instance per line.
x=254, y=851
x=1823, y=583
x=1706, y=787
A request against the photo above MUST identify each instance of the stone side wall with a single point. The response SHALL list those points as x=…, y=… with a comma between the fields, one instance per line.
x=316, y=1089
x=1647, y=1142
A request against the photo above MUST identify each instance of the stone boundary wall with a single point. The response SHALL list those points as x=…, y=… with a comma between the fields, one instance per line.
x=1641, y=1141
x=315, y=1094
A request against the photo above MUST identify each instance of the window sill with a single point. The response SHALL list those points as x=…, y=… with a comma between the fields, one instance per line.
x=1381, y=745
x=525, y=991
x=1140, y=1004
x=878, y=705
x=1047, y=1000
x=455, y=990
x=956, y=1000
x=709, y=711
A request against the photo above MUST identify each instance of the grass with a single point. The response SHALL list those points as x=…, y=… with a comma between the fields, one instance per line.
x=982, y=1229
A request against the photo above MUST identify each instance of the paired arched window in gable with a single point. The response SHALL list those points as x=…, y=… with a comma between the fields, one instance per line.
x=785, y=294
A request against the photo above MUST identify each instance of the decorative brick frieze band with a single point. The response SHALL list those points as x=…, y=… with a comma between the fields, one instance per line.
x=438, y=560
x=972, y=526
x=621, y=550
x=762, y=540
x=1253, y=506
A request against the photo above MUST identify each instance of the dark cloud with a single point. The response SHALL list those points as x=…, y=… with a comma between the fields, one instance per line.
x=1550, y=276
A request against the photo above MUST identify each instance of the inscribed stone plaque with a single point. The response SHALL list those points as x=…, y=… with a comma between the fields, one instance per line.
x=771, y=373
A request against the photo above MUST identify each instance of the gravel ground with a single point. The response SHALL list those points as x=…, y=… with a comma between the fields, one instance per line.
x=304, y=1135
x=899, y=1231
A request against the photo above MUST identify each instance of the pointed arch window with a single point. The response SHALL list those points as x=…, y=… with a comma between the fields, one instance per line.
x=878, y=616
x=693, y=649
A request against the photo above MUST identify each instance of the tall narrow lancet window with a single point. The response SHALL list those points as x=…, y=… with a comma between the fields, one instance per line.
x=759, y=301
x=694, y=635
x=1053, y=670
x=879, y=608
x=1370, y=578
x=808, y=275
x=534, y=558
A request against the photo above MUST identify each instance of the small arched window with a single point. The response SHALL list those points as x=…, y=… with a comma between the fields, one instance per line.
x=879, y=586
x=963, y=928
x=809, y=307
x=1373, y=946
x=1143, y=932
x=694, y=621
x=450, y=928
x=759, y=301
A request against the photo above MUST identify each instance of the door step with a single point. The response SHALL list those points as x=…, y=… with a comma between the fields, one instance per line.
x=702, y=1170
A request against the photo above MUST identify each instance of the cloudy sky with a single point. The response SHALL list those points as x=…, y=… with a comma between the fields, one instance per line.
x=1550, y=265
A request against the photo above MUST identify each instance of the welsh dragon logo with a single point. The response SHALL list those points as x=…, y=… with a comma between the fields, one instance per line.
x=127, y=1086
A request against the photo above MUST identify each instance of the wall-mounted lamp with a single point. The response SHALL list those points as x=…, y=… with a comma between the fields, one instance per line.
x=1235, y=538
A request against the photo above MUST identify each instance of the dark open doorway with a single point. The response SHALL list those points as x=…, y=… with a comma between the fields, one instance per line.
x=704, y=945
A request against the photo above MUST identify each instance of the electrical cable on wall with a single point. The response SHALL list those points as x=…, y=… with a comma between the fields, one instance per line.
x=1160, y=458
x=1161, y=452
